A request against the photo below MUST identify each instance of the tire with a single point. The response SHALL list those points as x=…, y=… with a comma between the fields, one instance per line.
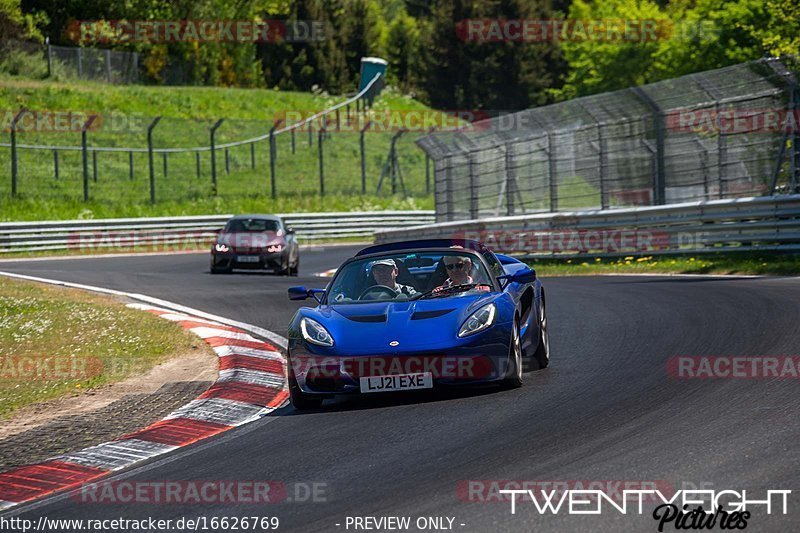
x=513, y=379
x=295, y=271
x=300, y=400
x=542, y=354
x=215, y=270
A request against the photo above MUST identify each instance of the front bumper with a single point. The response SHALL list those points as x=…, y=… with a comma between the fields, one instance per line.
x=256, y=261
x=317, y=373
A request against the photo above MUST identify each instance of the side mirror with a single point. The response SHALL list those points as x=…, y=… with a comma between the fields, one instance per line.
x=523, y=275
x=301, y=293
x=290, y=231
x=298, y=293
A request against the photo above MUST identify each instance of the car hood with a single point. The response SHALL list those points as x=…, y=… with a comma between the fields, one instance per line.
x=369, y=328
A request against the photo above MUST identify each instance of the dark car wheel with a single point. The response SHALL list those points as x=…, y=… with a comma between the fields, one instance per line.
x=217, y=270
x=295, y=270
x=300, y=400
x=513, y=378
x=542, y=354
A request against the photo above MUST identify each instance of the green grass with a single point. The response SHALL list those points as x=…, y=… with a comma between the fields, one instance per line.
x=56, y=342
x=188, y=112
x=722, y=263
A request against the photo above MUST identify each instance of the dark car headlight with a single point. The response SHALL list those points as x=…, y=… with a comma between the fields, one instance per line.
x=478, y=321
x=221, y=247
x=315, y=333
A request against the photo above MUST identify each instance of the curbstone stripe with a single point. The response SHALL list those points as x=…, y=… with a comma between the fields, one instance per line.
x=251, y=383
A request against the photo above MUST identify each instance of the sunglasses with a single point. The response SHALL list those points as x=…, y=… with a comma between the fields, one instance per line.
x=456, y=266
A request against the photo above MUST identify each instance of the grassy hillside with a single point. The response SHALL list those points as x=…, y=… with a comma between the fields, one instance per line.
x=188, y=113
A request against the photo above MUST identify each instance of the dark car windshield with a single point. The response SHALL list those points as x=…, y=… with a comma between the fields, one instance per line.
x=251, y=225
x=408, y=276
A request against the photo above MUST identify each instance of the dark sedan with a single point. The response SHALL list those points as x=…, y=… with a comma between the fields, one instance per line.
x=256, y=242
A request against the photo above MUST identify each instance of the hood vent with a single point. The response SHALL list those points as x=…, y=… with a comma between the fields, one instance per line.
x=367, y=318
x=422, y=315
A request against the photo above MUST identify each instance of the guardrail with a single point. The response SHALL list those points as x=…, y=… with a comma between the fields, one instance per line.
x=742, y=224
x=189, y=232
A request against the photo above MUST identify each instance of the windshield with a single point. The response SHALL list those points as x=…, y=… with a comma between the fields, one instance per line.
x=251, y=225
x=410, y=276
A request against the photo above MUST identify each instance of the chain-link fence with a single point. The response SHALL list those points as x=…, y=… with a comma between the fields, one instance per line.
x=723, y=133
x=94, y=64
x=136, y=159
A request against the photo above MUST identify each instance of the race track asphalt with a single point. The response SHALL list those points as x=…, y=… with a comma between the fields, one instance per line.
x=605, y=410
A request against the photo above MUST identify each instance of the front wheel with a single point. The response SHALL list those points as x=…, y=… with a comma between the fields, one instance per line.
x=513, y=379
x=542, y=354
x=300, y=400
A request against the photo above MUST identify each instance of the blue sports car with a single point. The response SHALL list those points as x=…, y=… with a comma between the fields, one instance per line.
x=411, y=315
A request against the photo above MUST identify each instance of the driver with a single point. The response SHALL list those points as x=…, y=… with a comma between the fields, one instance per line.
x=385, y=273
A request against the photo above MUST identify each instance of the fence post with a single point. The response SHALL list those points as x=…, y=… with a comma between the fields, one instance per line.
x=321, y=136
x=197, y=163
x=94, y=166
x=80, y=62
x=14, y=156
x=293, y=144
x=49, y=57
x=85, y=156
x=212, y=133
x=659, y=179
x=511, y=179
x=108, y=65
x=253, y=155
x=166, y=168
x=150, y=159
x=795, y=163
x=227, y=161
x=603, y=156
x=55, y=164
x=273, y=154
x=363, y=158
x=473, y=188
x=552, y=172
x=130, y=166
x=310, y=134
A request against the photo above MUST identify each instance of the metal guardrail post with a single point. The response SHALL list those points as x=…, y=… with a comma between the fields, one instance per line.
x=150, y=158
x=363, y=157
x=14, y=156
x=212, y=134
x=320, y=140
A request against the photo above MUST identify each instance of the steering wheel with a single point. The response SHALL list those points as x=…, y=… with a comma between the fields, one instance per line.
x=378, y=289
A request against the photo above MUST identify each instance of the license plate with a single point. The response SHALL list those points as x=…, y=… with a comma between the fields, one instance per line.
x=248, y=258
x=423, y=380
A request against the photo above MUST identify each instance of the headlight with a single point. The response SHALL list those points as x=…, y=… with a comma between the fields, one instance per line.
x=314, y=333
x=478, y=321
x=273, y=248
x=220, y=247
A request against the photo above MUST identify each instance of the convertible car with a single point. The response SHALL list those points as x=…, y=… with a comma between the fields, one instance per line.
x=414, y=315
